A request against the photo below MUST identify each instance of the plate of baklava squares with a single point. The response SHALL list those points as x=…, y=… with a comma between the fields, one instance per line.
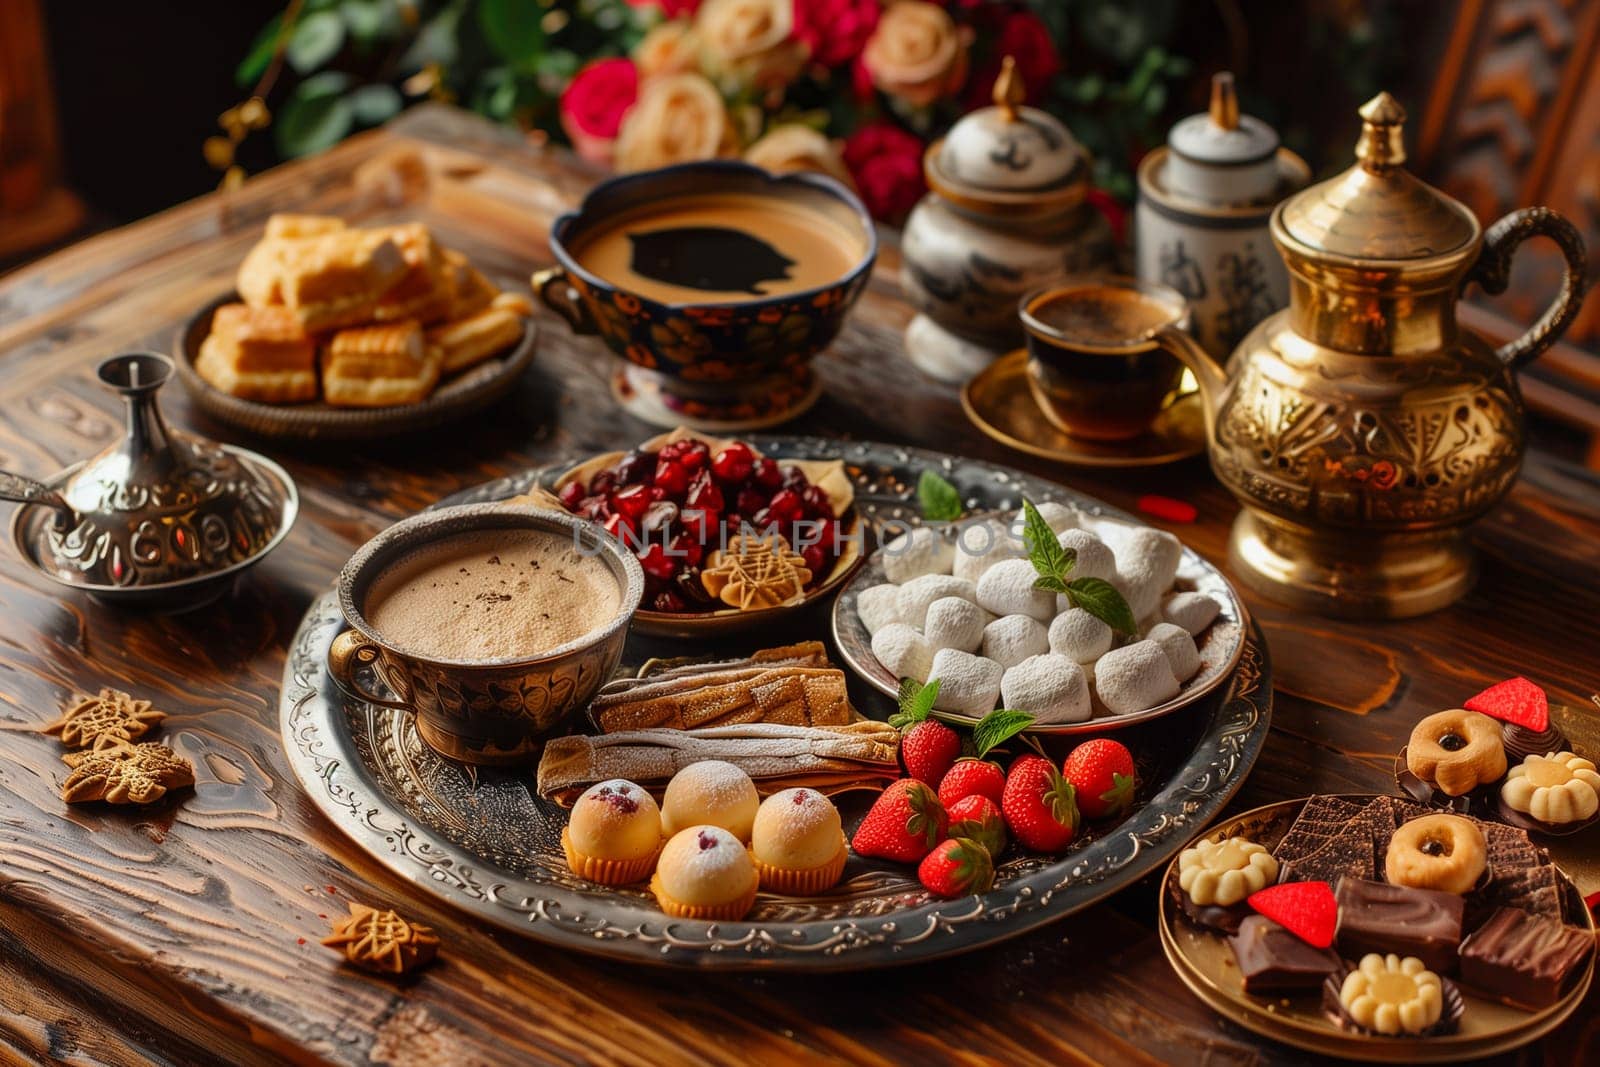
x=340, y=332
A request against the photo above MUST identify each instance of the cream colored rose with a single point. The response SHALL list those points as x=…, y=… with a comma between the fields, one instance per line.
x=749, y=42
x=793, y=147
x=678, y=118
x=917, y=53
x=670, y=48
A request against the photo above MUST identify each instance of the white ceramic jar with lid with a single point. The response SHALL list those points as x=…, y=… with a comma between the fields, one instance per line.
x=1005, y=216
x=1201, y=221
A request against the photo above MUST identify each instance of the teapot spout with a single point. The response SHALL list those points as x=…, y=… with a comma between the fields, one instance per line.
x=1211, y=375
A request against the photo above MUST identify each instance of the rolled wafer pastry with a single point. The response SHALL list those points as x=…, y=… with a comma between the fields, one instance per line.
x=797, y=696
x=831, y=759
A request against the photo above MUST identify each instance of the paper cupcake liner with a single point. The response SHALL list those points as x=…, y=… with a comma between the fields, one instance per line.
x=727, y=912
x=604, y=871
x=802, y=881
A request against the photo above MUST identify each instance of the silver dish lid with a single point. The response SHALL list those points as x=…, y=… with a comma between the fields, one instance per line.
x=1008, y=157
x=157, y=508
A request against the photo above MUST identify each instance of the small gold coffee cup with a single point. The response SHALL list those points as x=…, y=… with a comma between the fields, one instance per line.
x=491, y=711
x=1099, y=366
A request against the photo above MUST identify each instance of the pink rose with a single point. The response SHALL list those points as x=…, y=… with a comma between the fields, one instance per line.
x=593, y=104
x=671, y=8
x=835, y=30
x=886, y=163
x=916, y=53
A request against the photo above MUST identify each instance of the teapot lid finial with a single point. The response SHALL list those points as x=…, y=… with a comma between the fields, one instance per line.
x=1009, y=92
x=1224, y=101
x=1382, y=144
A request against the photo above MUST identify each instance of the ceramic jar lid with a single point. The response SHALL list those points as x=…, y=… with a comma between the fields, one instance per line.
x=1008, y=158
x=1221, y=156
x=1377, y=210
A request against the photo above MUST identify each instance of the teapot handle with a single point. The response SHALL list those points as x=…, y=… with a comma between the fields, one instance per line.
x=1493, y=273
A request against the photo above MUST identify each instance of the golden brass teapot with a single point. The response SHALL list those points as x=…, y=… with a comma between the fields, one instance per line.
x=1361, y=427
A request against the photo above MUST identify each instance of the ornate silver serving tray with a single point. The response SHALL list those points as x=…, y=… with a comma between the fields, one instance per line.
x=481, y=840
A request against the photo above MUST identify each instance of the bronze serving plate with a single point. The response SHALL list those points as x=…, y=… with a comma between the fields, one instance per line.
x=1205, y=964
x=1220, y=645
x=482, y=841
x=998, y=402
x=472, y=390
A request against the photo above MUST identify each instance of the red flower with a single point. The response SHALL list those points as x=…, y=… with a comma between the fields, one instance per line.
x=1026, y=39
x=671, y=8
x=835, y=30
x=593, y=104
x=886, y=163
x=1107, y=205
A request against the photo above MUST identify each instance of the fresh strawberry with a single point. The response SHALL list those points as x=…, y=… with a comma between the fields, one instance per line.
x=1101, y=772
x=928, y=749
x=972, y=777
x=979, y=818
x=905, y=822
x=1515, y=700
x=1308, y=910
x=956, y=868
x=1039, y=805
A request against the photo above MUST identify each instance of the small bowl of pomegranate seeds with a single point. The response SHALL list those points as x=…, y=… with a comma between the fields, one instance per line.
x=728, y=538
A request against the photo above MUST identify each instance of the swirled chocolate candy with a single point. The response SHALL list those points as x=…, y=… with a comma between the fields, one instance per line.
x=1382, y=918
x=1522, y=959
x=1272, y=960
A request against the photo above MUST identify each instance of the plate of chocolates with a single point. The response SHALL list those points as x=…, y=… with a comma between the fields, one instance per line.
x=1378, y=928
x=1507, y=754
x=730, y=537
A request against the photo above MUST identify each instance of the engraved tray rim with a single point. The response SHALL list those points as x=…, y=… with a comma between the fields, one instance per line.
x=321, y=753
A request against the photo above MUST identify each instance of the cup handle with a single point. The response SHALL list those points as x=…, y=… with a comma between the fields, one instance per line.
x=1493, y=273
x=1210, y=375
x=558, y=295
x=349, y=651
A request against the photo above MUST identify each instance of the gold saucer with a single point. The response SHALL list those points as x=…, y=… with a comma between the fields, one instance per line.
x=1205, y=964
x=997, y=401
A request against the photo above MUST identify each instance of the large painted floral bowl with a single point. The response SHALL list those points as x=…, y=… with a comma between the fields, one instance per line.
x=738, y=358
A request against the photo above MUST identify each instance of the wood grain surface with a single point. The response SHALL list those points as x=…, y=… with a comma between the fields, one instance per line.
x=188, y=932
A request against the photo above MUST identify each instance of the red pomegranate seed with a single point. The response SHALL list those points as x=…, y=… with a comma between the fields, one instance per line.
x=1165, y=507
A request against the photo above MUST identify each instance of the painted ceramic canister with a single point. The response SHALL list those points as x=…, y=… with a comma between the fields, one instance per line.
x=1005, y=216
x=1201, y=222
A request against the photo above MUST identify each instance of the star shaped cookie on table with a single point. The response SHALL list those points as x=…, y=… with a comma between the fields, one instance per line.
x=127, y=774
x=752, y=573
x=107, y=719
x=382, y=941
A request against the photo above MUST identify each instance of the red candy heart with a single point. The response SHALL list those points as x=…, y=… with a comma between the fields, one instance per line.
x=1306, y=909
x=1515, y=700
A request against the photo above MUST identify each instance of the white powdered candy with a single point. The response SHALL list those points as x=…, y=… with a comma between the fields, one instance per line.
x=1051, y=688
x=1134, y=677
x=878, y=606
x=954, y=623
x=1179, y=647
x=1192, y=611
x=903, y=651
x=980, y=545
x=1095, y=558
x=1007, y=589
x=1079, y=636
x=1058, y=517
x=967, y=684
x=915, y=553
x=918, y=593
x=1147, y=564
x=1013, y=638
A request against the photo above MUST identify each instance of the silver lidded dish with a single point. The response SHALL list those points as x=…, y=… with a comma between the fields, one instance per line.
x=160, y=519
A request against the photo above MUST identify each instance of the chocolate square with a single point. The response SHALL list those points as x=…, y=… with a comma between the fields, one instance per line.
x=1522, y=959
x=1383, y=918
x=1321, y=818
x=1272, y=960
x=1348, y=853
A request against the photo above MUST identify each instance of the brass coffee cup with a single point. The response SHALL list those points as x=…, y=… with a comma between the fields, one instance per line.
x=493, y=711
x=1098, y=366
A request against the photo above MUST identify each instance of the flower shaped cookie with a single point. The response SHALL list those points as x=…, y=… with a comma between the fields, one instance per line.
x=1225, y=872
x=1390, y=995
x=1556, y=788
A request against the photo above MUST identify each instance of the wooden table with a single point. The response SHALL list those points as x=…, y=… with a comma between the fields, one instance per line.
x=188, y=932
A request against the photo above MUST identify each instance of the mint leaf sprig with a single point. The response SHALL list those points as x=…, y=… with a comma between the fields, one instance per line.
x=1054, y=565
x=916, y=703
x=940, y=501
x=998, y=727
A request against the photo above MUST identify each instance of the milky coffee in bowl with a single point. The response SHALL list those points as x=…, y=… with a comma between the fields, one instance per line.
x=492, y=623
